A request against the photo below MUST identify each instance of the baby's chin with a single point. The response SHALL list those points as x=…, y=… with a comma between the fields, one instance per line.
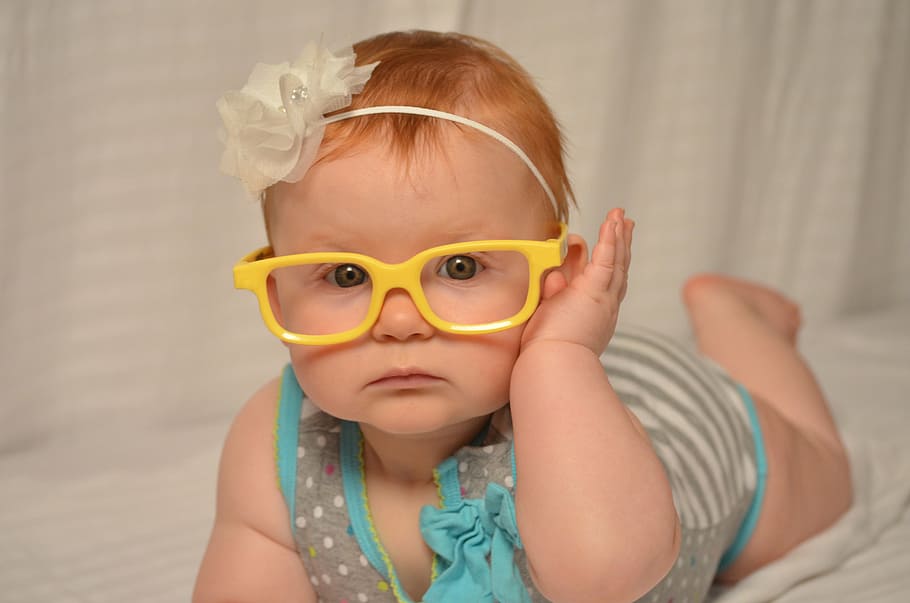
x=416, y=423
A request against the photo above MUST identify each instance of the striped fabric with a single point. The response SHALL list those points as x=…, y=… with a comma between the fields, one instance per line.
x=700, y=427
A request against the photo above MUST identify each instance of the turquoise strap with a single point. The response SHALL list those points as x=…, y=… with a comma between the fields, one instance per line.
x=355, y=495
x=287, y=422
x=761, y=466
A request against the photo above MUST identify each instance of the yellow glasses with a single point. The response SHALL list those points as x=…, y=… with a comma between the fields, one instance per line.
x=473, y=287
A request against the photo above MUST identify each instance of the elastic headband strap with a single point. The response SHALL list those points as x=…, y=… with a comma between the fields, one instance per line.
x=459, y=120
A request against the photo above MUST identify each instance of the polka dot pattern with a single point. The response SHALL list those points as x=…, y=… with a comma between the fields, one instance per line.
x=341, y=572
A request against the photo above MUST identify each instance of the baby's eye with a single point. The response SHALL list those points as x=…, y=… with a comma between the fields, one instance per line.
x=460, y=267
x=346, y=275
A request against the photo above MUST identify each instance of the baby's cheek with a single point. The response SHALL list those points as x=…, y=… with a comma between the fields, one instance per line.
x=321, y=374
x=494, y=361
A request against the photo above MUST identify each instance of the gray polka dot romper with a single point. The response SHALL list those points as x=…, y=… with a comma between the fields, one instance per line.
x=703, y=427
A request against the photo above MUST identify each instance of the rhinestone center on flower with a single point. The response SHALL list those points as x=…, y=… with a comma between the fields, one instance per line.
x=299, y=94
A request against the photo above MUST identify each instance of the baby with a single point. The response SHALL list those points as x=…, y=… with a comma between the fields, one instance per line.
x=460, y=421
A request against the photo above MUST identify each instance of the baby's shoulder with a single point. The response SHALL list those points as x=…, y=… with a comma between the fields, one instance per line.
x=255, y=417
x=246, y=477
x=260, y=408
x=275, y=416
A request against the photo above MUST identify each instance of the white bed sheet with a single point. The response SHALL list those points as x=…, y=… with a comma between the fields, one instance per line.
x=105, y=517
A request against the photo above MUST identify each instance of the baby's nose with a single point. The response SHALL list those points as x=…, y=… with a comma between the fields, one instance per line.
x=399, y=319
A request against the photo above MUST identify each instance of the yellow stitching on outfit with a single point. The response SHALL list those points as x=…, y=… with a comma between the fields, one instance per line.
x=275, y=436
x=434, y=572
x=393, y=577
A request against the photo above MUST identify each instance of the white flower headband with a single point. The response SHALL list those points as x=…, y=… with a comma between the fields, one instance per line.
x=273, y=126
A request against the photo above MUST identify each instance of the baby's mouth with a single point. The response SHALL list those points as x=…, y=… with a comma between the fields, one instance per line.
x=405, y=378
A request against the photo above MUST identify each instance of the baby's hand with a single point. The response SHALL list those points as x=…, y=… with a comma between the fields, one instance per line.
x=585, y=310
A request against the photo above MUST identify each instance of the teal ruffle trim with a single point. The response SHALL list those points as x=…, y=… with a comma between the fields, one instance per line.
x=475, y=544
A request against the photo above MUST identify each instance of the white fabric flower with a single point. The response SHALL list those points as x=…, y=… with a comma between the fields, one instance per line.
x=273, y=125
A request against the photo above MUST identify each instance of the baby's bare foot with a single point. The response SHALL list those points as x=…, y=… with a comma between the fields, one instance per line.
x=777, y=311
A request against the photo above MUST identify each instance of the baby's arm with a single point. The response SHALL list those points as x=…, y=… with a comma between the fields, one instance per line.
x=593, y=502
x=251, y=556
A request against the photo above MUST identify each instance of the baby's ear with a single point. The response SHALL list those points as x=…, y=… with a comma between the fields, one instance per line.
x=576, y=257
x=574, y=263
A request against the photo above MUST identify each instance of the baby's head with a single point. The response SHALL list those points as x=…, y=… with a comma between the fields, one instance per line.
x=413, y=203
x=443, y=132
x=457, y=74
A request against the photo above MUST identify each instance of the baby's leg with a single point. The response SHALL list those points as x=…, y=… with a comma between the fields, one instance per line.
x=751, y=332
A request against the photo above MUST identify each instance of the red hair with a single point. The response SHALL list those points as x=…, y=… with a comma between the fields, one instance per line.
x=458, y=74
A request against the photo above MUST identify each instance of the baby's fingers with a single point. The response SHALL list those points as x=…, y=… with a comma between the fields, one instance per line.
x=603, y=256
x=627, y=229
x=611, y=254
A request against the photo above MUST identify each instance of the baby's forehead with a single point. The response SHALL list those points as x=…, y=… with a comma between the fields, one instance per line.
x=448, y=170
x=405, y=148
x=446, y=167
x=367, y=195
x=413, y=134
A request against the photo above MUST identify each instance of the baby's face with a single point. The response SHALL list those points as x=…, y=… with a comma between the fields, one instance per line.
x=404, y=377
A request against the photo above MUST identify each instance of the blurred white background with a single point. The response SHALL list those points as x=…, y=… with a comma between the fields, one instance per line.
x=765, y=139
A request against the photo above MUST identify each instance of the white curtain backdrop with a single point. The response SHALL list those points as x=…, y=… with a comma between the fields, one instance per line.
x=765, y=139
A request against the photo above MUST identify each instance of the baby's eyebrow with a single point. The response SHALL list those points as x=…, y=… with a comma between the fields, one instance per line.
x=330, y=241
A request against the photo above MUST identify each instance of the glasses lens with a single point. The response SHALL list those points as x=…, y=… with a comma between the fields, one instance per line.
x=319, y=298
x=477, y=287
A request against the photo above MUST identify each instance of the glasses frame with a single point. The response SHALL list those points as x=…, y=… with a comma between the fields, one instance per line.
x=252, y=271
